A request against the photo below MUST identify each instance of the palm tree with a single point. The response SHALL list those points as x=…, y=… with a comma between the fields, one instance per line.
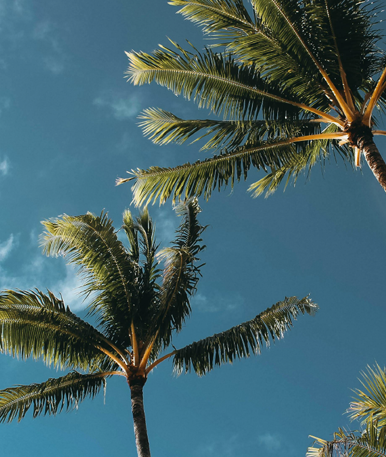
x=137, y=306
x=369, y=407
x=295, y=83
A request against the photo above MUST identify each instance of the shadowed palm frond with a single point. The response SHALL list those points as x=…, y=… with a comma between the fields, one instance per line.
x=316, y=151
x=244, y=339
x=91, y=243
x=370, y=403
x=370, y=443
x=181, y=272
x=33, y=324
x=49, y=397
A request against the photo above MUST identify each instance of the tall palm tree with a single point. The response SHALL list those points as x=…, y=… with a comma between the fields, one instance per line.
x=369, y=407
x=295, y=81
x=137, y=306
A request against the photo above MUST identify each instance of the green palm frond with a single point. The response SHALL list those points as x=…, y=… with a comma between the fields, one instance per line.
x=244, y=339
x=370, y=443
x=49, y=397
x=181, y=272
x=229, y=16
x=91, y=243
x=163, y=127
x=202, y=177
x=33, y=324
x=370, y=403
x=215, y=81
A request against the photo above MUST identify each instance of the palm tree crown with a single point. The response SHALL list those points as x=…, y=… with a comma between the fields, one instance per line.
x=296, y=82
x=138, y=307
x=369, y=407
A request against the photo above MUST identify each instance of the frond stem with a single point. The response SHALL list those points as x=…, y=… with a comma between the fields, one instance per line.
x=379, y=88
x=157, y=362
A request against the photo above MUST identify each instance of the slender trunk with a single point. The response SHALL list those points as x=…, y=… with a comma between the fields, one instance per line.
x=140, y=431
x=365, y=143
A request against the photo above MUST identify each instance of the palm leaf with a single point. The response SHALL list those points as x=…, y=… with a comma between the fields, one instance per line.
x=244, y=339
x=39, y=325
x=216, y=82
x=163, y=127
x=370, y=403
x=49, y=397
x=91, y=243
x=370, y=443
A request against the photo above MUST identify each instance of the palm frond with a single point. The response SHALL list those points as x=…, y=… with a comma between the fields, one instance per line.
x=214, y=81
x=316, y=151
x=163, y=127
x=228, y=16
x=370, y=403
x=370, y=443
x=91, y=243
x=181, y=272
x=202, y=177
x=244, y=339
x=33, y=324
x=49, y=397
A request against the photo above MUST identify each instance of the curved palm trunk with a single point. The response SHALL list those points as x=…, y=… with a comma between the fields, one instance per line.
x=365, y=143
x=140, y=430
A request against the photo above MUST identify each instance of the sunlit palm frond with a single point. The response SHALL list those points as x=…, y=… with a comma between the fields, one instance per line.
x=370, y=404
x=49, y=397
x=244, y=339
x=202, y=177
x=91, y=243
x=33, y=324
x=214, y=81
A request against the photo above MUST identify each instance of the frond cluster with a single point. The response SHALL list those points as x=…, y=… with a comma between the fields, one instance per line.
x=287, y=72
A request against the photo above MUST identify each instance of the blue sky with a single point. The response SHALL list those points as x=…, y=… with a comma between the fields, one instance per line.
x=68, y=129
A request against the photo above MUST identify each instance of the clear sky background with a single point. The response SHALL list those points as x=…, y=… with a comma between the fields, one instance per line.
x=68, y=129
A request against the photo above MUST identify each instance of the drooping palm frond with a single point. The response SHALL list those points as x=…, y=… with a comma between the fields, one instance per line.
x=49, y=397
x=33, y=324
x=370, y=404
x=244, y=339
x=181, y=272
x=370, y=443
x=91, y=243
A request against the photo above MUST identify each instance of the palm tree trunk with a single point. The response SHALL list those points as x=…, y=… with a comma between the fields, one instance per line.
x=365, y=143
x=140, y=430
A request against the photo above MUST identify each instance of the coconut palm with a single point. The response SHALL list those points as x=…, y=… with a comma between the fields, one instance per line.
x=294, y=83
x=138, y=307
x=369, y=407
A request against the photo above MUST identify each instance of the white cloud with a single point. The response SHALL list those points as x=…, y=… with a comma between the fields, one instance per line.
x=6, y=247
x=230, y=447
x=70, y=289
x=270, y=441
x=4, y=166
x=121, y=107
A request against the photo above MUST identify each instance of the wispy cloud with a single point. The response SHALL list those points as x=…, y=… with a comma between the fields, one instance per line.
x=217, y=302
x=120, y=106
x=47, y=33
x=270, y=441
x=4, y=166
x=7, y=246
x=228, y=448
